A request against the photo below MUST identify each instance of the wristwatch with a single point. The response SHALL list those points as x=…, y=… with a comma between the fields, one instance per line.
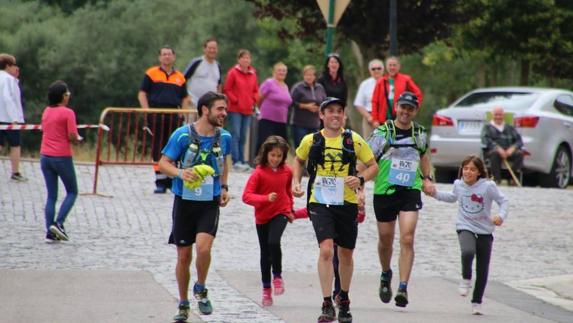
x=428, y=177
x=361, y=180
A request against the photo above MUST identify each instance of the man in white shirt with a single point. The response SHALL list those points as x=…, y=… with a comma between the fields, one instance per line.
x=363, y=100
x=11, y=111
x=203, y=74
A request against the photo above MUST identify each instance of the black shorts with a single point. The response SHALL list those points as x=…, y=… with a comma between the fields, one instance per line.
x=337, y=222
x=12, y=136
x=387, y=207
x=192, y=217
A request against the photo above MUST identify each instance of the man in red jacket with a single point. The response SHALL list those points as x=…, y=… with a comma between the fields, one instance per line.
x=388, y=89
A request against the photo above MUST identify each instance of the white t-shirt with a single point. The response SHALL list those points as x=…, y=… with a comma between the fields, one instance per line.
x=205, y=78
x=10, y=99
x=364, y=94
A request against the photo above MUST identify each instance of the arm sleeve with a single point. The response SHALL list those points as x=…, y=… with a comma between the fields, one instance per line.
x=71, y=123
x=250, y=195
x=11, y=99
x=518, y=141
x=377, y=142
x=410, y=85
x=365, y=153
x=256, y=91
x=191, y=68
x=500, y=199
x=449, y=197
x=304, y=147
x=296, y=95
x=229, y=85
x=376, y=100
x=486, y=140
x=289, y=188
x=360, y=99
x=146, y=84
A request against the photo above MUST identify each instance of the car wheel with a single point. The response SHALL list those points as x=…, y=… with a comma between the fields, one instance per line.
x=445, y=175
x=560, y=171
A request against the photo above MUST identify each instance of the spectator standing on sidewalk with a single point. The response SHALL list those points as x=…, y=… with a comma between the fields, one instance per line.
x=59, y=131
x=363, y=99
x=274, y=103
x=191, y=149
x=475, y=194
x=307, y=95
x=388, y=89
x=163, y=87
x=332, y=78
x=11, y=112
x=203, y=73
x=241, y=87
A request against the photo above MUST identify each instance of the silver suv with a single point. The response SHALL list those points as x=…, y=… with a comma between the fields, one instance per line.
x=543, y=117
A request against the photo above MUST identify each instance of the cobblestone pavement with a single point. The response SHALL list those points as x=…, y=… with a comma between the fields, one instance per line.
x=128, y=230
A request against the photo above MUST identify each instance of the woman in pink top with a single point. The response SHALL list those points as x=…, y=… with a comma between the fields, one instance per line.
x=241, y=87
x=58, y=132
x=274, y=103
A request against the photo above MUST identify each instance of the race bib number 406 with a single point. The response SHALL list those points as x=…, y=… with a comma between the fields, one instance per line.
x=329, y=190
x=403, y=172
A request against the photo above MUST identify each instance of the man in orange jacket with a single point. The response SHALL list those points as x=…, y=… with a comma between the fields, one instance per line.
x=388, y=89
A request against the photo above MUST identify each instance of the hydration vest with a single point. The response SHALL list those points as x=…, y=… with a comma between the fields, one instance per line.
x=316, y=156
x=195, y=155
x=389, y=130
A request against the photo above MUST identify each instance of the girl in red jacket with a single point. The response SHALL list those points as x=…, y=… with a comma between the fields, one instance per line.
x=269, y=191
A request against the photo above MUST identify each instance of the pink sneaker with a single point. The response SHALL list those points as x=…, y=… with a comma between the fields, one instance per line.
x=279, y=285
x=267, y=297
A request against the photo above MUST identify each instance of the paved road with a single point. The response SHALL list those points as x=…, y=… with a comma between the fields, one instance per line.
x=128, y=230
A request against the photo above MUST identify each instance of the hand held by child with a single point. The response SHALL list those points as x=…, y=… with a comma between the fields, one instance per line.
x=497, y=220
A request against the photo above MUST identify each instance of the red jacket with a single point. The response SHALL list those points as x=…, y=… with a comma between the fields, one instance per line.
x=242, y=89
x=402, y=82
x=263, y=181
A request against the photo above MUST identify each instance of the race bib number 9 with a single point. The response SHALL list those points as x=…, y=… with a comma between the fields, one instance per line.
x=403, y=172
x=201, y=193
x=329, y=190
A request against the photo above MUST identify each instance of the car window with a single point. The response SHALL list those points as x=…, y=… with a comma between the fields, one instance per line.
x=564, y=104
x=515, y=100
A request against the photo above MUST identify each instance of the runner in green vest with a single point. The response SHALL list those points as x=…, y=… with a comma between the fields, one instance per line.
x=400, y=147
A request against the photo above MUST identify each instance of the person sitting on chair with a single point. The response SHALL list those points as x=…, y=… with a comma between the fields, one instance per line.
x=501, y=141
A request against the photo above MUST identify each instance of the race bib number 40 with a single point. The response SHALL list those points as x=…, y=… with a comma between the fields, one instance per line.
x=403, y=172
x=329, y=190
x=201, y=193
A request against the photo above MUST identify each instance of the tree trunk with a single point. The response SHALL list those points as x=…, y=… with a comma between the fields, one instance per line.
x=524, y=72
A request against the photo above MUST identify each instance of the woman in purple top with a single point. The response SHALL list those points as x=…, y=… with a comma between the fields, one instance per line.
x=274, y=104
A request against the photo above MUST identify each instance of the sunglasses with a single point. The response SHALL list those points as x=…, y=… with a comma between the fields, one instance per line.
x=376, y=69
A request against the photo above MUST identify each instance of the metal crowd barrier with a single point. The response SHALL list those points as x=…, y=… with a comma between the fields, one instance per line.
x=129, y=140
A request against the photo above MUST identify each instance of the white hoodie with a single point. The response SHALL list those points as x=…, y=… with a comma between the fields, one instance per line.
x=474, y=204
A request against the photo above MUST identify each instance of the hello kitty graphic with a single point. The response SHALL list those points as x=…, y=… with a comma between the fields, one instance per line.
x=472, y=204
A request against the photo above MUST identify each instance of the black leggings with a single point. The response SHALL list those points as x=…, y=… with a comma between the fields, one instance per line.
x=478, y=245
x=270, y=235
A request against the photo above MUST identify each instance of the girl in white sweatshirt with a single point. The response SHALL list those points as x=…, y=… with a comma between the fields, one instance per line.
x=475, y=193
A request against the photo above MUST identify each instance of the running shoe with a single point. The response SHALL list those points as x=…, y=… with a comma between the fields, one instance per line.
x=464, y=287
x=328, y=313
x=385, y=290
x=476, y=309
x=203, y=301
x=182, y=313
x=51, y=238
x=344, y=315
x=18, y=177
x=401, y=297
x=58, y=230
x=267, y=297
x=279, y=285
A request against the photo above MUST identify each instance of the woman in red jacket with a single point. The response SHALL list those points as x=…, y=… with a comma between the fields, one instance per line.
x=388, y=89
x=242, y=89
x=269, y=191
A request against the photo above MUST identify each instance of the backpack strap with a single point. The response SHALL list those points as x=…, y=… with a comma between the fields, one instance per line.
x=348, y=152
x=315, y=158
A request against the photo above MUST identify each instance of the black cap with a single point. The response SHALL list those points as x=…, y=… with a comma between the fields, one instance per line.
x=331, y=100
x=408, y=98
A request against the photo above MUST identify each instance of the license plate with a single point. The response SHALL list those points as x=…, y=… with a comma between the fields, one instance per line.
x=470, y=127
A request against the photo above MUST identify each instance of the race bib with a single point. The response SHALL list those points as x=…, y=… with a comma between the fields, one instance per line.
x=403, y=172
x=329, y=190
x=201, y=193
